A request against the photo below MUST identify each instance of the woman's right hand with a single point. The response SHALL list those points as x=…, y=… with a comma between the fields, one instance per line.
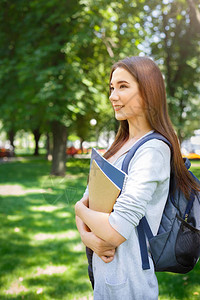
x=103, y=249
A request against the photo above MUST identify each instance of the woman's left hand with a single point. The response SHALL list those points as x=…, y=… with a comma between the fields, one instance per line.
x=84, y=201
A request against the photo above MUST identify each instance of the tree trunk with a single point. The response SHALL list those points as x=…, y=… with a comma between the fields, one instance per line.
x=37, y=135
x=11, y=137
x=49, y=146
x=81, y=144
x=59, y=149
x=194, y=15
x=180, y=131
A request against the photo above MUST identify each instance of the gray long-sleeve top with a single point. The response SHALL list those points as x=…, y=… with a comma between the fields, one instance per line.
x=145, y=193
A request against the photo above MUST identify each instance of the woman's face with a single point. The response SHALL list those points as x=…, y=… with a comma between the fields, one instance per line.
x=125, y=96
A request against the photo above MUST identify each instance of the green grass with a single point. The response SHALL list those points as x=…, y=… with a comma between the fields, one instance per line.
x=42, y=256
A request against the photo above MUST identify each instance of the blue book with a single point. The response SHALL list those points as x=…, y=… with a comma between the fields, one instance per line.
x=115, y=174
x=105, y=183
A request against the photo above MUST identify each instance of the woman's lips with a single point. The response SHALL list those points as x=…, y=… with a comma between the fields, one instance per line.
x=118, y=107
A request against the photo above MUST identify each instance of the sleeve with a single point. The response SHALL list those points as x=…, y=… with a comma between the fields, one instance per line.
x=146, y=169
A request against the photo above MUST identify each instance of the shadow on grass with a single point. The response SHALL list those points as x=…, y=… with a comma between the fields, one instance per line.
x=29, y=172
x=38, y=235
x=33, y=238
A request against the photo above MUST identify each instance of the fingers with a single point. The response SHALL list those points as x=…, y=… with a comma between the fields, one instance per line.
x=109, y=252
x=107, y=259
x=104, y=246
x=102, y=252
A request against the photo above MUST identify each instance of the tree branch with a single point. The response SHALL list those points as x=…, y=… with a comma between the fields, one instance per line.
x=194, y=15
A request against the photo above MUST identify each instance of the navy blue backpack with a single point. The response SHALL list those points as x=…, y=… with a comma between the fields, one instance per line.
x=176, y=247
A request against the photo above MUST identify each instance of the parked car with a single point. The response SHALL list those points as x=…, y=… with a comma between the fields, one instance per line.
x=192, y=156
x=6, y=151
x=71, y=151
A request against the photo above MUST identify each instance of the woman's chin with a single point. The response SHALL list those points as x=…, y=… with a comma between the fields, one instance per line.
x=120, y=117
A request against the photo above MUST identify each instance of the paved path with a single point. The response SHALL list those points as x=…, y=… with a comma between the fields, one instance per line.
x=18, y=158
x=195, y=165
x=24, y=158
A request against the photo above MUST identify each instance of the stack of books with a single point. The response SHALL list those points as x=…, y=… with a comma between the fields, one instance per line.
x=105, y=183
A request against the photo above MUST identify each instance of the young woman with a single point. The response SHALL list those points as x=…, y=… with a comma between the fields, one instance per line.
x=137, y=94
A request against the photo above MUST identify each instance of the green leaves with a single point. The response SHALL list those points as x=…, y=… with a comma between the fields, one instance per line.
x=55, y=59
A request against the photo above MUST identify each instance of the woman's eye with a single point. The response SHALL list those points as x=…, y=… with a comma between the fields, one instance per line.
x=121, y=87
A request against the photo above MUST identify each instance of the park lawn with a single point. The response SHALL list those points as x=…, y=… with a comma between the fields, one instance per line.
x=42, y=256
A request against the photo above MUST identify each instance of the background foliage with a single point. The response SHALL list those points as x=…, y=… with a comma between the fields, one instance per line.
x=55, y=62
x=55, y=59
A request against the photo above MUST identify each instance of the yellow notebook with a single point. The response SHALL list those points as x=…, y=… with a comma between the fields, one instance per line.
x=103, y=192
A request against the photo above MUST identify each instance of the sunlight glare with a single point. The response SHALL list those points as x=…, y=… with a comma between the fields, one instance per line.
x=70, y=234
x=50, y=270
x=46, y=208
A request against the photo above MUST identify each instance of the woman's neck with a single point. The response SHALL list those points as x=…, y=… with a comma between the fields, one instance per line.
x=138, y=129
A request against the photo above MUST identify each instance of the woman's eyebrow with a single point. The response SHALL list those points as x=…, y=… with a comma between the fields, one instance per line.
x=121, y=81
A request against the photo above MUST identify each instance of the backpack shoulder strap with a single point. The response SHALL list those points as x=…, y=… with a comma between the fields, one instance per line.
x=130, y=154
x=143, y=225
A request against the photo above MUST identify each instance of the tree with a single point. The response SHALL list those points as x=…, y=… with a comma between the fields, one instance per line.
x=45, y=97
x=57, y=60
x=173, y=40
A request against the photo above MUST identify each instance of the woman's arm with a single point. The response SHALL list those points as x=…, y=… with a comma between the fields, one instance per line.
x=98, y=223
x=103, y=249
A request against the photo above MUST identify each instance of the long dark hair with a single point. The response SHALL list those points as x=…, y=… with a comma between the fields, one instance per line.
x=152, y=89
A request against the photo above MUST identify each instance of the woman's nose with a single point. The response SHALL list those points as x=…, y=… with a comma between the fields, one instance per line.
x=114, y=96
